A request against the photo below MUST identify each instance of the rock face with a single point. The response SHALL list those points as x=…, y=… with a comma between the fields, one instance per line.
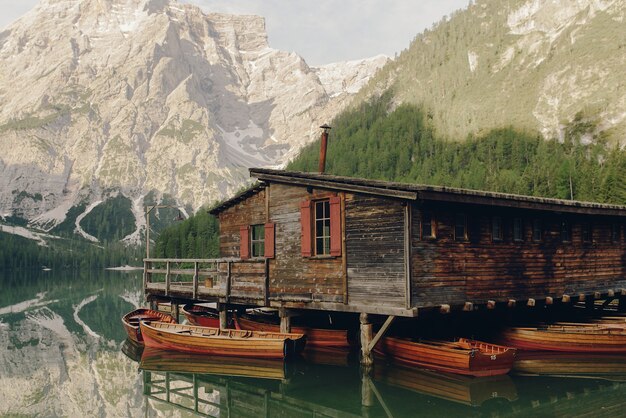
x=531, y=64
x=140, y=96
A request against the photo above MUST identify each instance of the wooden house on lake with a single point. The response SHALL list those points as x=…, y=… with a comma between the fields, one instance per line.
x=348, y=244
x=317, y=241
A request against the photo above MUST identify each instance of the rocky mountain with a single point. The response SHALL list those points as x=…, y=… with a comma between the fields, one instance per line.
x=540, y=66
x=150, y=97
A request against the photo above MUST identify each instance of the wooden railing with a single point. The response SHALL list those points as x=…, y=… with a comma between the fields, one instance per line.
x=198, y=278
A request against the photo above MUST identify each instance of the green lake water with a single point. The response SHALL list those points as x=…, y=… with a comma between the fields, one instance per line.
x=63, y=352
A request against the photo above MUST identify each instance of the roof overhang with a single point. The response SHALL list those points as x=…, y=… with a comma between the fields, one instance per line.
x=435, y=193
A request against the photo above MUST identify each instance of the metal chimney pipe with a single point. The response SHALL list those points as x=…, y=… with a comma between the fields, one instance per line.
x=323, y=146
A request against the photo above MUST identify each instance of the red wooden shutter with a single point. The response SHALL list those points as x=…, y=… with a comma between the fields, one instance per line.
x=335, y=226
x=244, y=244
x=305, y=223
x=269, y=240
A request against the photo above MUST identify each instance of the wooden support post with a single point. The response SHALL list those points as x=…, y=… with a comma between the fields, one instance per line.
x=444, y=309
x=167, y=278
x=285, y=320
x=344, y=252
x=468, y=307
x=491, y=304
x=195, y=280
x=366, y=339
x=380, y=332
x=531, y=303
x=174, y=308
x=146, y=279
x=266, y=284
x=549, y=300
x=228, y=278
x=223, y=313
x=511, y=303
x=407, y=254
x=367, y=394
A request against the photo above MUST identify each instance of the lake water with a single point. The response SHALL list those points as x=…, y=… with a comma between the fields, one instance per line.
x=63, y=352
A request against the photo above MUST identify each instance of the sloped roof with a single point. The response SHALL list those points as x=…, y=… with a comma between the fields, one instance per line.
x=409, y=191
x=252, y=190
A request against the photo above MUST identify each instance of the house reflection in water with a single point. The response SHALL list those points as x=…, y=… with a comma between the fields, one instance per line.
x=212, y=387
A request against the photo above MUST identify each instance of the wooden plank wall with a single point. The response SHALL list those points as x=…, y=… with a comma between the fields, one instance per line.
x=375, y=251
x=246, y=278
x=293, y=277
x=445, y=271
x=250, y=211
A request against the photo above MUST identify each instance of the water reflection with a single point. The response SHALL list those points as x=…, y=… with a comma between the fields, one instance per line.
x=171, y=361
x=63, y=353
x=59, y=344
x=309, y=389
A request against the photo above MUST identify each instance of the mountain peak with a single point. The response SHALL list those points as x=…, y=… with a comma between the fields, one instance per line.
x=147, y=97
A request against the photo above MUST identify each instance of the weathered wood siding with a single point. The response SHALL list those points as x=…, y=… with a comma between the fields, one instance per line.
x=445, y=271
x=246, y=279
x=292, y=276
x=375, y=251
x=250, y=211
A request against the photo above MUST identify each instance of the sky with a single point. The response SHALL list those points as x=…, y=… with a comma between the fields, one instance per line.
x=321, y=31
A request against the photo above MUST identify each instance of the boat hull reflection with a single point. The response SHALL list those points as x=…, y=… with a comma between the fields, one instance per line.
x=466, y=390
x=154, y=359
x=545, y=363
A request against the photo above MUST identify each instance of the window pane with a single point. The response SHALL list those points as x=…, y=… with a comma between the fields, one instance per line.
x=496, y=228
x=322, y=227
x=518, y=229
x=615, y=232
x=257, y=240
x=319, y=245
x=565, y=231
x=586, y=232
x=460, y=233
x=537, y=231
x=319, y=228
x=427, y=226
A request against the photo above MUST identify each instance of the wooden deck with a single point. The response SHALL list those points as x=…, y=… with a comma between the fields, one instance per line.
x=236, y=281
x=222, y=280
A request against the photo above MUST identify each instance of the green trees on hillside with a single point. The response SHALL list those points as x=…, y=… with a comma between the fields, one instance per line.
x=20, y=253
x=196, y=237
x=111, y=220
x=401, y=145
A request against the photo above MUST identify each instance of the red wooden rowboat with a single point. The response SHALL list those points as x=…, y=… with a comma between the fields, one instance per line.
x=205, y=316
x=575, y=338
x=467, y=357
x=315, y=337
x=225, y=342
x=131, y=321
x=201, y=315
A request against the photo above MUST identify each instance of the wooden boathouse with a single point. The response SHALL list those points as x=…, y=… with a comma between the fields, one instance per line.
x=310, y=241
